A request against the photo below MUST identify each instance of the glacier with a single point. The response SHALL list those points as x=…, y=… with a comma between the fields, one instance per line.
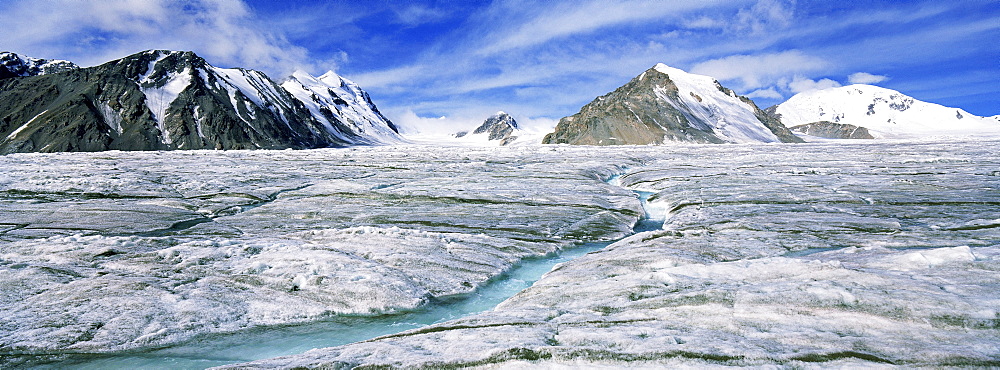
x=819, y=254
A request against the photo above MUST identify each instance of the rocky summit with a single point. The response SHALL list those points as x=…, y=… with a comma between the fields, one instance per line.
x=165, y=100
x=666, y=104
x=498, y=127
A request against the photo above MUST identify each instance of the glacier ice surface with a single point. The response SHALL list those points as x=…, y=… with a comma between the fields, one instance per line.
x=825, y=254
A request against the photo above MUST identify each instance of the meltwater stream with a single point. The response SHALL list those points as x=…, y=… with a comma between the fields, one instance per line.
x=268, y=342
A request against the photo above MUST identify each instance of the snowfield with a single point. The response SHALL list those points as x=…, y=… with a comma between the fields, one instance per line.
x=824, y=254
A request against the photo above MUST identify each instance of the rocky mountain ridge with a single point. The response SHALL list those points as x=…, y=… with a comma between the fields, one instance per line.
x=166, y=100
x=665, y=104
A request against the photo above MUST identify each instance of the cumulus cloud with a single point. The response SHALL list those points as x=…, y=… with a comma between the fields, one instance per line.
x=865, y=78
x=757, y=71
x=225, y=32
x=769, y=93
x=801, y=84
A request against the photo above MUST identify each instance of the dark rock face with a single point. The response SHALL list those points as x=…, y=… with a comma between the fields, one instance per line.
x=13, y=65
x=500, y=126
x=649, y=110
x=830, y=130
x=155, y=100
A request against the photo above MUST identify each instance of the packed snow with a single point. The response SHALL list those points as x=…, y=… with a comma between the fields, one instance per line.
x=887, y=114
x=730, y=118
x=159, y=96
x=824, y=254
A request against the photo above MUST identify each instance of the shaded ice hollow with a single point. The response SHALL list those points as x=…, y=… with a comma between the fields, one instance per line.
x=817, y=254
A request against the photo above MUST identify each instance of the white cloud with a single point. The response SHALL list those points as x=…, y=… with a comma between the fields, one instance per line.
x=414, y=15
x=410, y=123
x=769, y=93
x=704, y=22
x=865, y=78
x=389, y=77
x=577, y=17
x=766, y=15
x=466, y=119
x=801, y=84
x=756, y=71
x=225, y=32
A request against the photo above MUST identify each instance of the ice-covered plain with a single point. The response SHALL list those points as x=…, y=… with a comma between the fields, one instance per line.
x=826, y=253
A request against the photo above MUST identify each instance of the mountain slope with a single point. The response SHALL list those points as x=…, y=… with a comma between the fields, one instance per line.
x=13, y=65
x=160, y=100
x=666, y=104
x=883, y=112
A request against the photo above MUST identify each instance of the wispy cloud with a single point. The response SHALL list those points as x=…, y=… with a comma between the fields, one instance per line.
x=756, y=71
x=769, y=93
x=865, y=78
x=801, y=84
x=581, y=17
x=91, y=32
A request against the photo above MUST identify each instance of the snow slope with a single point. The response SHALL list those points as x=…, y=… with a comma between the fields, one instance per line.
x=885, y=113
x=730, y=118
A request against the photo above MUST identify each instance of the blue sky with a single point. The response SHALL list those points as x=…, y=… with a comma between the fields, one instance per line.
x=542, y=60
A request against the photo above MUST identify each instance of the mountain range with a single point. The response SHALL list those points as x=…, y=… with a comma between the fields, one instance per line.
x=163, y=100
x=167, y=100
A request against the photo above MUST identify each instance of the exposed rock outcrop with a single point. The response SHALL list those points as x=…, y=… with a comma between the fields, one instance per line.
x=830, y=130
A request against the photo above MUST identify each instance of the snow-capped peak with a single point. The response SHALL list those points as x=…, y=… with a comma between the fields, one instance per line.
x=333, y=99
x=14, y=65
x=884, y=112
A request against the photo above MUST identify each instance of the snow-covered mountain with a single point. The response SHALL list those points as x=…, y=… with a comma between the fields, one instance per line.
x=500, y=127
x=667, y=104
x=333, y=99
x=164, y=100
x=883, y=112
x=14, y=65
